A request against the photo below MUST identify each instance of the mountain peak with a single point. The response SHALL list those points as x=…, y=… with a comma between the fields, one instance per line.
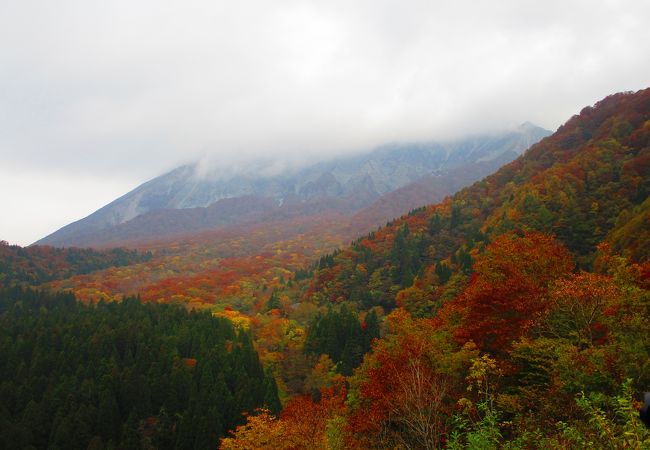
x=527, y=127
x=344, y=185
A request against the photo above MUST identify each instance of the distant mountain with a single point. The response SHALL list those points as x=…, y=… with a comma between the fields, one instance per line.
x=186, y=200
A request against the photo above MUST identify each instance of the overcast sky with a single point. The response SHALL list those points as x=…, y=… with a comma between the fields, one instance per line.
x=98, y=96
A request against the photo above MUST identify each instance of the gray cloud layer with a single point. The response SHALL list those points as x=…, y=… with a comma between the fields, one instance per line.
x=123, y=90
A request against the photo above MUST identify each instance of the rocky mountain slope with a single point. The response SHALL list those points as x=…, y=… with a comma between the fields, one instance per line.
x=189, y=199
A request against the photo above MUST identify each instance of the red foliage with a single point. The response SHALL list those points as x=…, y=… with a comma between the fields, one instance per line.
x=644, y=275
x=406, y=386
x=583, y=305
x=190, y=362
x=217, y=266
x=506, y=294
x=306, y=420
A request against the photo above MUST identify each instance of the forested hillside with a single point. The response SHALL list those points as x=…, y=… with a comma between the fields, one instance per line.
x=578, y=185
x=517, y=309
x=513, y=314
x=122, y=375
x=40, y=264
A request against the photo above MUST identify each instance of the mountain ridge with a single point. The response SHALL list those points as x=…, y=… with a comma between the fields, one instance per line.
x=582, y=184
x=344, y=185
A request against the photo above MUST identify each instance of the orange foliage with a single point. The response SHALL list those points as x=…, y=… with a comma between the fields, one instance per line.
x=261, y=431
x=190, y=362
x=302, y=424
x=580, y=306
x=226, y=266
x=307, y=420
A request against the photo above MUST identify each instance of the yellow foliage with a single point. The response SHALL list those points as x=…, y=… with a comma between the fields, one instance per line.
x=237, y=318
x=262, y=431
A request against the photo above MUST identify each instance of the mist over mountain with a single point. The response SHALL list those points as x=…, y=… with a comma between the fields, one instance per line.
x=192, y=198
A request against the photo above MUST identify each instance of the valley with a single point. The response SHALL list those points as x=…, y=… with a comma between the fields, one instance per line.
x=432, y=313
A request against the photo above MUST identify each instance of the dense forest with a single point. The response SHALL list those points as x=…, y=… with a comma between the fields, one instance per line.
x=341, y=336
x=514, y=314
x=122, y=375
x=40, y=264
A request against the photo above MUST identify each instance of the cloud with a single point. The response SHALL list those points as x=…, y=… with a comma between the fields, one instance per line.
x=36, y=203
x=135, y=88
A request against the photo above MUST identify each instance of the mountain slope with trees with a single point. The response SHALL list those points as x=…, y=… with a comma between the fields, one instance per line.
x=574, y=184
x=517, y=309
x=40, y=264
x=512, y=314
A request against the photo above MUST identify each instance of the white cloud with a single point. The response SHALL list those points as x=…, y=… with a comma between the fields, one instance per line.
x=132, y=89
x=38, y=202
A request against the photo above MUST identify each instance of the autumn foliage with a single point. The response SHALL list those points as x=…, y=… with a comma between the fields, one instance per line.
x=507, y=292
x=406, y=387
x=305, y=423
x=513, y=314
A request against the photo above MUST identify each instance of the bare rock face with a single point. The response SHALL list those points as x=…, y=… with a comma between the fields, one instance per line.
x=188, y=199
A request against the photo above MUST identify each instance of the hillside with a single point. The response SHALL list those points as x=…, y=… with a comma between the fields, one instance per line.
x=432, y=188
x=40, y=264
x=513, y=314
x=574, y=184
x=192, y=198
x=231, y=267
x=441, y=329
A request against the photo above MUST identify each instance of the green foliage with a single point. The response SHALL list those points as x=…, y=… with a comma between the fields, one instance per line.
x=443, y=271
x=631, y=235
x=477, y=427
x=126, y=373
x=481, y=435
x=273, y=301
x=611, y=423
x=335, y=433
x=341, y=336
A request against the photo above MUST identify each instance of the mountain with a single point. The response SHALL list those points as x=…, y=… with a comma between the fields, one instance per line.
x=533, y=283
x=431, y=188
x=188, y=200
x=586, y=184
x=442, y=328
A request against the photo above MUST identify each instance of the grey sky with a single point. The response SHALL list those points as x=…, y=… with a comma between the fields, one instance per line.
x=98, y=96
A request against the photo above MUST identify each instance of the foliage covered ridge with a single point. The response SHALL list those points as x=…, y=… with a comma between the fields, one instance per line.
x=40, y=264
x=582, y=185
x=513, y=314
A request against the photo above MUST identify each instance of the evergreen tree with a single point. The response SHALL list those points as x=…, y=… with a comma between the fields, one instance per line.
x=443, y=271
x=273, y=301
x=339, y=335
x=370, y=330
x=123, y=375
